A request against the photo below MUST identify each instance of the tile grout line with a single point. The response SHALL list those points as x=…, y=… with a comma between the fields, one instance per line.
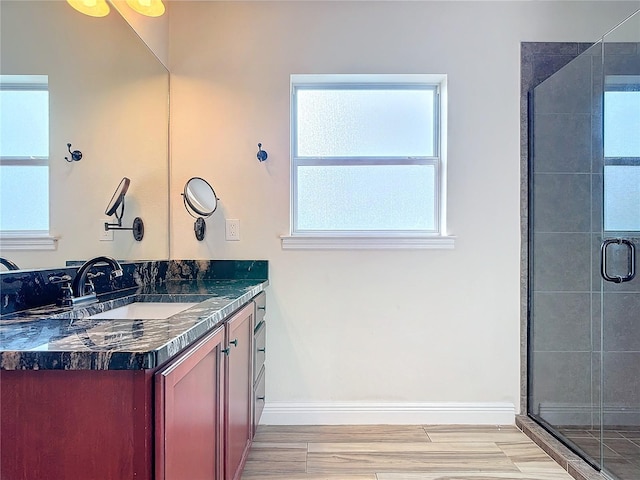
x=505, y=454
x=424, y=427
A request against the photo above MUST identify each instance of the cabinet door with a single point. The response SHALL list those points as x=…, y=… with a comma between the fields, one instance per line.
x=76, y=424
x=188, y=413
x=238, y=425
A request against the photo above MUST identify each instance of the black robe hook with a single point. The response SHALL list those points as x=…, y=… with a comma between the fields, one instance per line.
x=76, y=155
x=262, y=155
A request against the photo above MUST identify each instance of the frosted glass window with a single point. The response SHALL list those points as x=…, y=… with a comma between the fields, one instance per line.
x=24, y=153
x=24, y=123
x=622, y=198
x=357, y=122
x=24, y=199
x=366, y=155
x=366, y=197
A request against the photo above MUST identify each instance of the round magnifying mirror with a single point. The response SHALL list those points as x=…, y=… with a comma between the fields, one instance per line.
x=200, y=199
x=118, y=196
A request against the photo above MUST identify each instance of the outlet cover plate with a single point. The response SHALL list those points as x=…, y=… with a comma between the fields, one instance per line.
x=232, y=229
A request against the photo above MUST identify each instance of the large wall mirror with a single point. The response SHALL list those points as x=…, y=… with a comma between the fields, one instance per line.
x=109, y=98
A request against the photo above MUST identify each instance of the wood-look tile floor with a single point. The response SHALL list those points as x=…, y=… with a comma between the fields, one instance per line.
x=398, y=452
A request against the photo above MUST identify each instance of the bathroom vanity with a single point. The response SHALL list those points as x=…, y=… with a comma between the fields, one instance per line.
x=84, y=396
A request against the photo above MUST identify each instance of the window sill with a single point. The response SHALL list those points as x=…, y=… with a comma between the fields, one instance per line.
x=28, y=241
x=299, y=242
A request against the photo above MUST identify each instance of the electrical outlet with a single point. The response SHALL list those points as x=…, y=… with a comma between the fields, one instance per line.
x=104, y=235
x=232, y=229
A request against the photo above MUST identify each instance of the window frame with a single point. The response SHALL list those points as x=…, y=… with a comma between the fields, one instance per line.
x=27, y=239
x=385, y=239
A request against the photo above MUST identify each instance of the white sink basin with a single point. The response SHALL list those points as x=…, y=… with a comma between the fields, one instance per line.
x=144, y=311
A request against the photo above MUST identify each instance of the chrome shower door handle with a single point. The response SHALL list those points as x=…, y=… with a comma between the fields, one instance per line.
x=631, y=260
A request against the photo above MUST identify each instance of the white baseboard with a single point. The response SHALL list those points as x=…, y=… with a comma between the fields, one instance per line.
x=356, y=413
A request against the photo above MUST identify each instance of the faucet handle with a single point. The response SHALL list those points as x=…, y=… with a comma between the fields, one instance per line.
x=66, y=293
x=59, y=277
x=89, y=286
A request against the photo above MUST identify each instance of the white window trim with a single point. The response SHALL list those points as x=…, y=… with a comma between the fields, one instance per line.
x=377, y=240
x=28, y=240
x=368, y=242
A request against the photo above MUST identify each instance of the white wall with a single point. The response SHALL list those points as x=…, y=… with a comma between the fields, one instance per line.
x=428, y=327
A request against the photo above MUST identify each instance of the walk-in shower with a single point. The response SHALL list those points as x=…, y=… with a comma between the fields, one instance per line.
x=584, y=244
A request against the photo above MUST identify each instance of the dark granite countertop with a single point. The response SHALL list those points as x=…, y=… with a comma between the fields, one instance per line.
x=65, y=339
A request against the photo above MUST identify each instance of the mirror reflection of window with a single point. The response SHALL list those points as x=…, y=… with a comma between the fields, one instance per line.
x=622, y=153
x=24, y=154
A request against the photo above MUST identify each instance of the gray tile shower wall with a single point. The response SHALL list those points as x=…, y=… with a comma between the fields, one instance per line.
x=560, y=202
x=562, y=136
x=569, y=92
x=538, y=62
x=561, y=214
x=28, y=289
x=560, y=321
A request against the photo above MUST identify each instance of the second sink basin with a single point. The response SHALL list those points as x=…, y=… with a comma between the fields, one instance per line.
x=144, y=311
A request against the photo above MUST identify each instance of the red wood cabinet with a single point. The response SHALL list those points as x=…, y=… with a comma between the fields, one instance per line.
x=238, y=424
x=195, y=414
x=188, y=413
x=79, y=424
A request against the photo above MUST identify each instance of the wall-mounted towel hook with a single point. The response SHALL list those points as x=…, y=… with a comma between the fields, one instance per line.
x=76, y=155
x=262, y=155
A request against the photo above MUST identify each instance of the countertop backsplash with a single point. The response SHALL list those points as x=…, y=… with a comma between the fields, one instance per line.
x=28, y=289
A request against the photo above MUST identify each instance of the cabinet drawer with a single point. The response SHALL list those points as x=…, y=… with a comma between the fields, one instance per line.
x=261, y=307
x=259, y=348
x=259, y=399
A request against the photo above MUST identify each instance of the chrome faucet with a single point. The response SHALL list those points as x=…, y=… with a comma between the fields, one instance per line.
x=83, y=290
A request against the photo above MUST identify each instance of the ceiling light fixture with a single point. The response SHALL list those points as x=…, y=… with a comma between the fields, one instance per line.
x=149, y=8
x=93, y=8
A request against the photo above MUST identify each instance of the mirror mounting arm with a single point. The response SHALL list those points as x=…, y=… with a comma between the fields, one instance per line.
x=137, y=228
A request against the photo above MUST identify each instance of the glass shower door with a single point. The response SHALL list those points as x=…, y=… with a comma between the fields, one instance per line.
x=620, y=285
x=564, y=240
